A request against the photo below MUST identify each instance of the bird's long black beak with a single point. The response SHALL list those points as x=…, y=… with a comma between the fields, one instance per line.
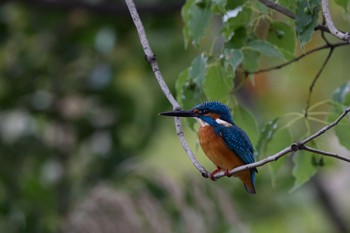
x=178, y=114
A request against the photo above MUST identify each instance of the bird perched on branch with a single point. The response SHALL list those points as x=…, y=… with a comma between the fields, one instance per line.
x=225, y=144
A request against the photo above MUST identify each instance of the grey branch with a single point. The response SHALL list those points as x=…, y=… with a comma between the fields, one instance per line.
x=333, y=30
x=151, y=58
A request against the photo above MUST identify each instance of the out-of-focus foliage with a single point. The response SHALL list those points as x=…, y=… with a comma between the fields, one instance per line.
x=69, y=115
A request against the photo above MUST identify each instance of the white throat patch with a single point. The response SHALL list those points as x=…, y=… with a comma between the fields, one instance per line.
x=219, y=121
x=222, y=122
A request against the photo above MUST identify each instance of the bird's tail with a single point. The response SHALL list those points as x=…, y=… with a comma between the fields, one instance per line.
x=249, y=184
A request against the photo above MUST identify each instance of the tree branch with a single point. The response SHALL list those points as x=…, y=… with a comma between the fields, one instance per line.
x=329, y=22
x=294, y=147
x=151, y=58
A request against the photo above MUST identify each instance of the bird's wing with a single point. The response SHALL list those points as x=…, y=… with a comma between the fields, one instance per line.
x=237, y=140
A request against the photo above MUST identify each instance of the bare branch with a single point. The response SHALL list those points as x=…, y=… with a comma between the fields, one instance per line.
x=311, y=88
x=326, y=153
x=151, y=58
x=326, y=46
x=333, y=30
x=294, y=147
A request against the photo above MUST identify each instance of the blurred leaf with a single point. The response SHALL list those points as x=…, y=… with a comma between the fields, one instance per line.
x=219, y=6
x=266, y=136
x=236, y=18
x=283, y=37
x=233, y=57
x=251, y=59
x=190, y=84
x=342, y=94
x=180, y=83
x=281, y=139
x=245, y=120
x=303, y=168
x=306, y=17
x=196, y=17
x=341, y=98
x=343, y=3
x=198, y=69
x=217, y=84
x=238, y=39
x=264, y=47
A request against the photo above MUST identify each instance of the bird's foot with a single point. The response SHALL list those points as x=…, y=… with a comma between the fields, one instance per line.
x=211, y=175
x=227, y=173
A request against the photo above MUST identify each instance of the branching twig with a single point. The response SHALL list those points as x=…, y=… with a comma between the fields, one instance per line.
x=151, y=58
x=294, y=147
x=333, y=30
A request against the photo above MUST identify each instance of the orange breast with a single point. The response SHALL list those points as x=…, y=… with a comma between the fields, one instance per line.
x=215, y=148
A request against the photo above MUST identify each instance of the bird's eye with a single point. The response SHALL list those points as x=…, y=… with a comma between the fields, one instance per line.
x=205, y=111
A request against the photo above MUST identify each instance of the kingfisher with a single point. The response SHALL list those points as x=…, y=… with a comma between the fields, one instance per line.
x=224, y=143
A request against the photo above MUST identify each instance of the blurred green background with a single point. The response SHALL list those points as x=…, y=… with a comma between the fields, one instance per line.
x=82, y=148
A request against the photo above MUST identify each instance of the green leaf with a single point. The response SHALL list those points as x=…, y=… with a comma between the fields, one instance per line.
x=266, y=136
x=342, y=129
x=307, y=12
x=264, y=47
x=236, y=18
x=281, y=139
x=180, y=83
x=341, y=98
x=245, y=120
x=251, y=59
x=196, y=16
x=198, y=69
x=303, y=168
x=189, y=85
x=238, y=40
x=283, y=37
x=342, y=94
x=217, y=85
x=233, y=57
x=219, y=6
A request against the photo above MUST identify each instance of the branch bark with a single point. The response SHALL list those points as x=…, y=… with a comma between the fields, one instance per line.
x=329, y=22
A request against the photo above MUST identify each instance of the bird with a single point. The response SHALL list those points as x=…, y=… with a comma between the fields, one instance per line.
x=223, y=142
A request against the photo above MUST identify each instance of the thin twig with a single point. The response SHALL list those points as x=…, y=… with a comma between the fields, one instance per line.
x=280, y=9
x=326, y=46
x=294, y=147
x=326, y=153
x=311, y=88
x=333, y=30
x=151, y=58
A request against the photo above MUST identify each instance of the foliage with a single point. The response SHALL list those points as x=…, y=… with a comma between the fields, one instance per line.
x=251, y=34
